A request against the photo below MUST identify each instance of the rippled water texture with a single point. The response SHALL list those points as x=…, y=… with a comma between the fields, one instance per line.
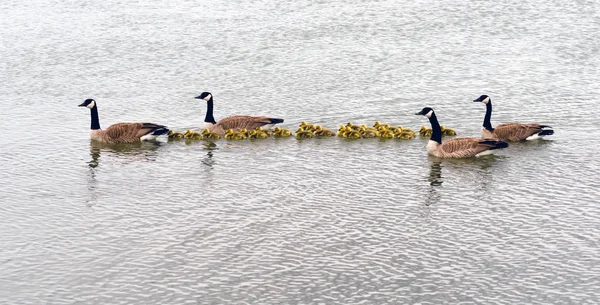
x=282, y=221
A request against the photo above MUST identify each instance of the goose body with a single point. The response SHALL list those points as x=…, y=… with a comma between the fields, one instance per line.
x=457, y=147
x=235, y=122
x=510, y=131
x=121, y=132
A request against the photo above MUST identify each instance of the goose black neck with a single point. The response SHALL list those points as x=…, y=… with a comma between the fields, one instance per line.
x=436, y=130
x=209, y=112
x=487, y=123
x=95, y=120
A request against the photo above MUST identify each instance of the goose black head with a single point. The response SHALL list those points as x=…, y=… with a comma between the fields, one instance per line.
x=204, y=96
x=426, y=112
x=484, y=99
x=89, y=103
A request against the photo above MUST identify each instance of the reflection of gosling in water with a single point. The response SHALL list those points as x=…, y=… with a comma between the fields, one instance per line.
x=281, y=132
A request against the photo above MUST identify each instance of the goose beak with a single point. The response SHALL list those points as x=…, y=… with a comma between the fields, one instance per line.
x=198, y=97
x=477, y=100
x=82, y=105
x=419, y=113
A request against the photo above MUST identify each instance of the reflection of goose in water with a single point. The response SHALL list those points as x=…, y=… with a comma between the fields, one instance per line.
x=435, y=174
x=435, y=181
x=208, y=161
x=115, y=153
x=477, y=174
x=142, y=151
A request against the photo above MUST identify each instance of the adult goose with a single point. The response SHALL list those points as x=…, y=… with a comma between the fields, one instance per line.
x=234, y=122
x=121, y=132
x=457, y=147
x=510, y=131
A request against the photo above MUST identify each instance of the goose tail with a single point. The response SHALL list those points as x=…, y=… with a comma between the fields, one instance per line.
x=275, y=121
x=546, y=132
x=494, y=144
x=159, y=131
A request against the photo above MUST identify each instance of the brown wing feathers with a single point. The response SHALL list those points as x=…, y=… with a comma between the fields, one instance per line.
x=468, y=147
x=517, y=131
x=237, y=122
x=128, y=132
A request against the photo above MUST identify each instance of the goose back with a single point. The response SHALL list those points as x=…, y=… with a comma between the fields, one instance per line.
x=513, y=131
x=238, y=122
x=462, y=147
x=126, y=132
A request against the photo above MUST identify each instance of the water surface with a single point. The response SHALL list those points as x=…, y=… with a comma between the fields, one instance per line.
x=282, y=221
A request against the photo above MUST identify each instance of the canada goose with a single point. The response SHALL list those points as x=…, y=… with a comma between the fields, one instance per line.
x=235, y=122
x=510, y=131
x=122, y=132
x=457, y=147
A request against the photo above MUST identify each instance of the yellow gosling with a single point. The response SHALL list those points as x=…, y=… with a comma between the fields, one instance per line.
x=303, y=134
x=210, y=135
x=281, y=132
x=175, y=135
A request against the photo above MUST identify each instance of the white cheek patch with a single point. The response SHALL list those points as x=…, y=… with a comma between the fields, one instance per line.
x=208, y=97
x=487, y=99
x=91, y=105
x=428, y=115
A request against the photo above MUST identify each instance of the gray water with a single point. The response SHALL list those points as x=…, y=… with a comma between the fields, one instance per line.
x=282, y=221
